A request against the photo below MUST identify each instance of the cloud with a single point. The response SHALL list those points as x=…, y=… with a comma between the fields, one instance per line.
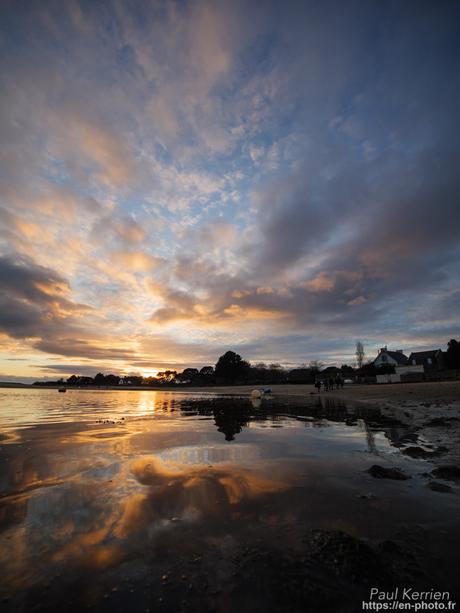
x=34, y=298
x=136, y=261
x=212, y=174
x=75, y=347
x=87, y=370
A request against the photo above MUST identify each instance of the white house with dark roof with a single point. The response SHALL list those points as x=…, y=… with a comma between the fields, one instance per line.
x=386, y=357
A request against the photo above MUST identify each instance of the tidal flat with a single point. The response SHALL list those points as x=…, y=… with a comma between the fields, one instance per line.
x=156, y=501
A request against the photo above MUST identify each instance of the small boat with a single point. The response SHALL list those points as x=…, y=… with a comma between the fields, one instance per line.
x=62, y=389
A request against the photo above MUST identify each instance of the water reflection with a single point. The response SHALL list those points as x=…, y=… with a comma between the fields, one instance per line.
x=111, y=485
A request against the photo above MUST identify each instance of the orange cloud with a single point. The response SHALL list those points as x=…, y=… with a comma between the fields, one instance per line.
x=136, y=261
x=323, y=282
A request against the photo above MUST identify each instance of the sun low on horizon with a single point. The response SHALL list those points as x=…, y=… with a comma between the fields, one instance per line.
x=179, y=179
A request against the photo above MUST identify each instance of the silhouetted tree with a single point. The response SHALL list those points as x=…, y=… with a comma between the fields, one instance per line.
x=360, y=354
x=207, y=371
x=80, y=380
x=276, y=374
x=190, y=372
x=112, y=380
x=453, y=354
x=99, y=379
x=315, y=366
x=302, y=375
x=133, y=380
x=188, y=375
x=167, y=376
x=231, y=367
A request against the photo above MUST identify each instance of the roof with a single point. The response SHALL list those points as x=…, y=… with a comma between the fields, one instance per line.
x=399, y=357
x=423, y=355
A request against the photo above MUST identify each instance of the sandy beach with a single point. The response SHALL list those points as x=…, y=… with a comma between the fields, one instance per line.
x=201, y=499
x=395, y=395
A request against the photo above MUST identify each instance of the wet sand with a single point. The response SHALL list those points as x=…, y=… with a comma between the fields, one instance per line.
x=445, y=392
x=159, y=501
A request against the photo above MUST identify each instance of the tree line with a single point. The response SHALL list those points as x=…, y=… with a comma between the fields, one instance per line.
x=232, y=369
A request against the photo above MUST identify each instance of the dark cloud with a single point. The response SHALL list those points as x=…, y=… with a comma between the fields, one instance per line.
x=34, y=298
x=75, y=347
x=87, y=370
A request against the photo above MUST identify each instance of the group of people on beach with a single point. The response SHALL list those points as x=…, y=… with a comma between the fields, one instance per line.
x=328, y=383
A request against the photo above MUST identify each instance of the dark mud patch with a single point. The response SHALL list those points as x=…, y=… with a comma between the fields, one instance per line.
x=333, y=572
x=424, y=454
x=381, y=472
x=445, y=422
x=436, y=486
x=447, y=472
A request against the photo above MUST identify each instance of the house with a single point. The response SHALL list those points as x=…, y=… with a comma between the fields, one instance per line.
x=430, y=360
x=390, y=358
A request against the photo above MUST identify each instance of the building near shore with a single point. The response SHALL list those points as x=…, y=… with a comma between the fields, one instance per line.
x=430, y=360
x=386, y=357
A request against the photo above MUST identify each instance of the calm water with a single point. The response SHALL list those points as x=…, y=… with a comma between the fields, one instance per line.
x=154, y=501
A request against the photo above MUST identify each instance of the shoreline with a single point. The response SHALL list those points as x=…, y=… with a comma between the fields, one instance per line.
x=428, y=391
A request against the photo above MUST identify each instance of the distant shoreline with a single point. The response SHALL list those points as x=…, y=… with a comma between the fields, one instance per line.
x=377, y=394
x=120, y=388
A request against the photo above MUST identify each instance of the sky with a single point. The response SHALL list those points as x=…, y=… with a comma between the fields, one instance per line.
x=182, y=178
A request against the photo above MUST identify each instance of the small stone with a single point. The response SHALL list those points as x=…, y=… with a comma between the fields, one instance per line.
x=417, y=452
x=439, y=487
